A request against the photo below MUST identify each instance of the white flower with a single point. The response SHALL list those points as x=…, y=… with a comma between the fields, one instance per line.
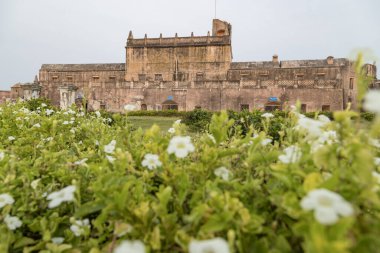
x=49, y=139
x=266, y=141
x=64, y=195
x=34, y=183
x=12, y=222
x=18, y=119
x=37, y=125
x=26, y=118
x=65, y=122
x=311, y=126
x=129, y=107
x=49, y=112
x=11, y=138
x=71, y=111
x=111, y=159
x=216, y=245
x=2, y=155
x=372, y=101
x=72, y=130
x=6, y=199
x=171, y=130
x=97, y=113
x=375, y=143
x=180, y=146
x=110, y=148
x=223, y=173
x=326, y=137
x=151, y=161
x=130, y=247
x=177, y=122
x=324, y=119
x=292, y=155
x=327, y=206
x=43, y=105
x=57, y=240
x=96, y=143
x=81, y=162
x=376, y=161
x=267, y=115
x=79, y=226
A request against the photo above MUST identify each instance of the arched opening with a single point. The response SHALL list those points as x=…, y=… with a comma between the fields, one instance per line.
x=170, y=105
x=144, y=107
x=272, y=106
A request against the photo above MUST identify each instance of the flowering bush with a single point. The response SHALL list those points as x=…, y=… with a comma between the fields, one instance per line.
x=76, y=183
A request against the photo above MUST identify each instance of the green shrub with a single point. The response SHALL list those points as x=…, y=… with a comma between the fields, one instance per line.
x=38, y=103
x=197, y=120
x=314, y=189
x=164, y=113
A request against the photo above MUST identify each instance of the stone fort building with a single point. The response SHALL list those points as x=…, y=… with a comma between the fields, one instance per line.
x=184, y=73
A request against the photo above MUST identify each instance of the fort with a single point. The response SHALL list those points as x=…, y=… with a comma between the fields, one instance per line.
x=184, y=73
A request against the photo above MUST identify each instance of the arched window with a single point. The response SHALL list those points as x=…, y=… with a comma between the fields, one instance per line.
x=170, y=105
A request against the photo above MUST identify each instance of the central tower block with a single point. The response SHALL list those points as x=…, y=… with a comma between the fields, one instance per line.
x=193, y=58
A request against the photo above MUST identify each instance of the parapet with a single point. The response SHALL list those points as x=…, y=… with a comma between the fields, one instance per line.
x=84, y=67
x=180, y=41
x=221, y=35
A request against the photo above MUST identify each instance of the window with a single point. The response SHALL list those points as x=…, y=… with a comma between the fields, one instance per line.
x=112, y=78
x=180, y=76
x=264, y=75
x=303, y=108
x=299, y=76
x=142, y=77
x=321, y=76
x=349, y=100
x=351, y=83
x=199, y=76
x=325, y=108
x=54, y=78
x=244, y=107
x=158, y=77
x=95, y=78
x=245, y=75
x=69, y=78
x=198, y=107
x=144, y=107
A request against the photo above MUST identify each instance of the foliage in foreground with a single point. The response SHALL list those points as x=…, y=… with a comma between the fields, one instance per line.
x=72, y=182
x=198, y=120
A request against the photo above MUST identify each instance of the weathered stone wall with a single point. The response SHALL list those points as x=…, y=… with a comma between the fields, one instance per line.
x=5, y=95
x=174, y=61
x=85, y=77
x=198, y=72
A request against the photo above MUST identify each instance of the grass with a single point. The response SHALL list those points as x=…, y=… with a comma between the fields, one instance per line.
x=145, y=122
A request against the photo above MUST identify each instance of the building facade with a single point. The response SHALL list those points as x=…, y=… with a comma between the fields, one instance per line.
x=185, y=73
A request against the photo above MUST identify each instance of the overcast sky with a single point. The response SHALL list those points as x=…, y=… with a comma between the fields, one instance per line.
x=34, y=32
